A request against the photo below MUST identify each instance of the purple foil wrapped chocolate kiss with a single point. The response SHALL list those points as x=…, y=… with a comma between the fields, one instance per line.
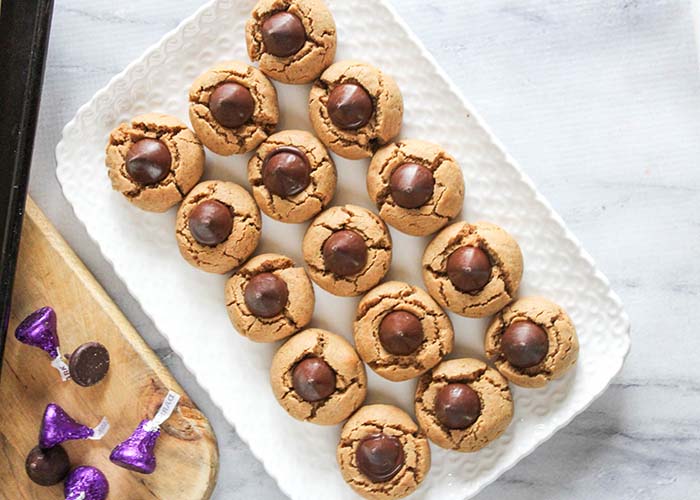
x=136, y=453
x=57, y=426
x=86, y=483
x=39, y=330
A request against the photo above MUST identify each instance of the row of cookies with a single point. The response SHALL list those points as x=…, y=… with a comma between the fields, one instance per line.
x=399, y=332
x=155, y=160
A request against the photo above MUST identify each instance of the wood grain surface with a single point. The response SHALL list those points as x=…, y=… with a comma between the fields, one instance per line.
x=49, y=273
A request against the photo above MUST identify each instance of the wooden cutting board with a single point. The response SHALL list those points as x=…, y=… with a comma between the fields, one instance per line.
x=49, y=273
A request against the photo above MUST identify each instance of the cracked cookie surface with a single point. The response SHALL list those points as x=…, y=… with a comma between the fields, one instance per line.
x=384, y=124
x=311, y=200
x=297, y=311
x=186, y=166
x=246, y=137
x=350, y=377
x=438, y=336
x=563, y=346
x=396, y=423
x=447, y=196
x=506, y=262
x=377, y=240
x=494, y=396
x=317, y=51
x=244, y=235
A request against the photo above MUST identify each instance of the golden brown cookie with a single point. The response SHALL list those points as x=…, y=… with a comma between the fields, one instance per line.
x=154, y=161
x=355, y=109
x=382, y=453
x=292, y=176
x=463, y=405
x=217, y=226
x=532, y=341
x=416, y=185
x=472, y=269
x=269, y=298
x=400, y=332
x=317, y=376
x=292, y=40
x=233, y=107
x=347, y=250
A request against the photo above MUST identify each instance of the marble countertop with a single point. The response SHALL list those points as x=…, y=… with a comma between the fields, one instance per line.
x=599, y=101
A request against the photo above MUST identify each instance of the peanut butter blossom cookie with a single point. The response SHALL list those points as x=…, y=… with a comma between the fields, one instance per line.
x=416, y=185
x=382, y=453
x=269, y=298
x=292, y=40
x=292, y=176
x=233, y=108
x=218, y=226
x=463, y=405
x=473, y=269
x=347, y=250
x=154, y=161
x=532, y=341
x=355, y=109
x=317, y=376
x=400, y=332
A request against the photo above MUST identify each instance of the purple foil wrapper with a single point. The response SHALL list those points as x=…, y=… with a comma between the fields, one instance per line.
x=136, y=452
x=39, y=330
x=57, y=426
x=86, y=483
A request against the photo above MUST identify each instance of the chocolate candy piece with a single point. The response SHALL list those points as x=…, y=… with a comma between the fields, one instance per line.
x=39, y=329
x=469, y=268
x=86, y=483
x=136, y=453
x=47, y=467
x=411, y=185
x=57, y=426
x=266, y=295
x=313, y=379
x=210, y=222
x=89, y=364
x=524, y=344
x=380, y=457
x=231, y=104
x=345, y=253
x=400, y=333
x=286, y=171
x=283, y=34
x=349, y=106
x=148, y=161
x=457, y=406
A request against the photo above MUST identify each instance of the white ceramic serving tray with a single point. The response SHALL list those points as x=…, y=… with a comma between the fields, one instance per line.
x=187, y=305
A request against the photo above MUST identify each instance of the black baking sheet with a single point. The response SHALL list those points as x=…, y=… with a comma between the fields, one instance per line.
x=24, y=36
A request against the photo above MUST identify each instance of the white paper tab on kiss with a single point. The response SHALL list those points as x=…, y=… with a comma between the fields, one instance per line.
x=61, y=366
x=166, y=409
x=100, y=430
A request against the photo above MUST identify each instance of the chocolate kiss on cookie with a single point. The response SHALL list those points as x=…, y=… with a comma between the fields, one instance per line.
x=345, y=253
x=266, y=295
x=283, y=34
x=350, y=106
